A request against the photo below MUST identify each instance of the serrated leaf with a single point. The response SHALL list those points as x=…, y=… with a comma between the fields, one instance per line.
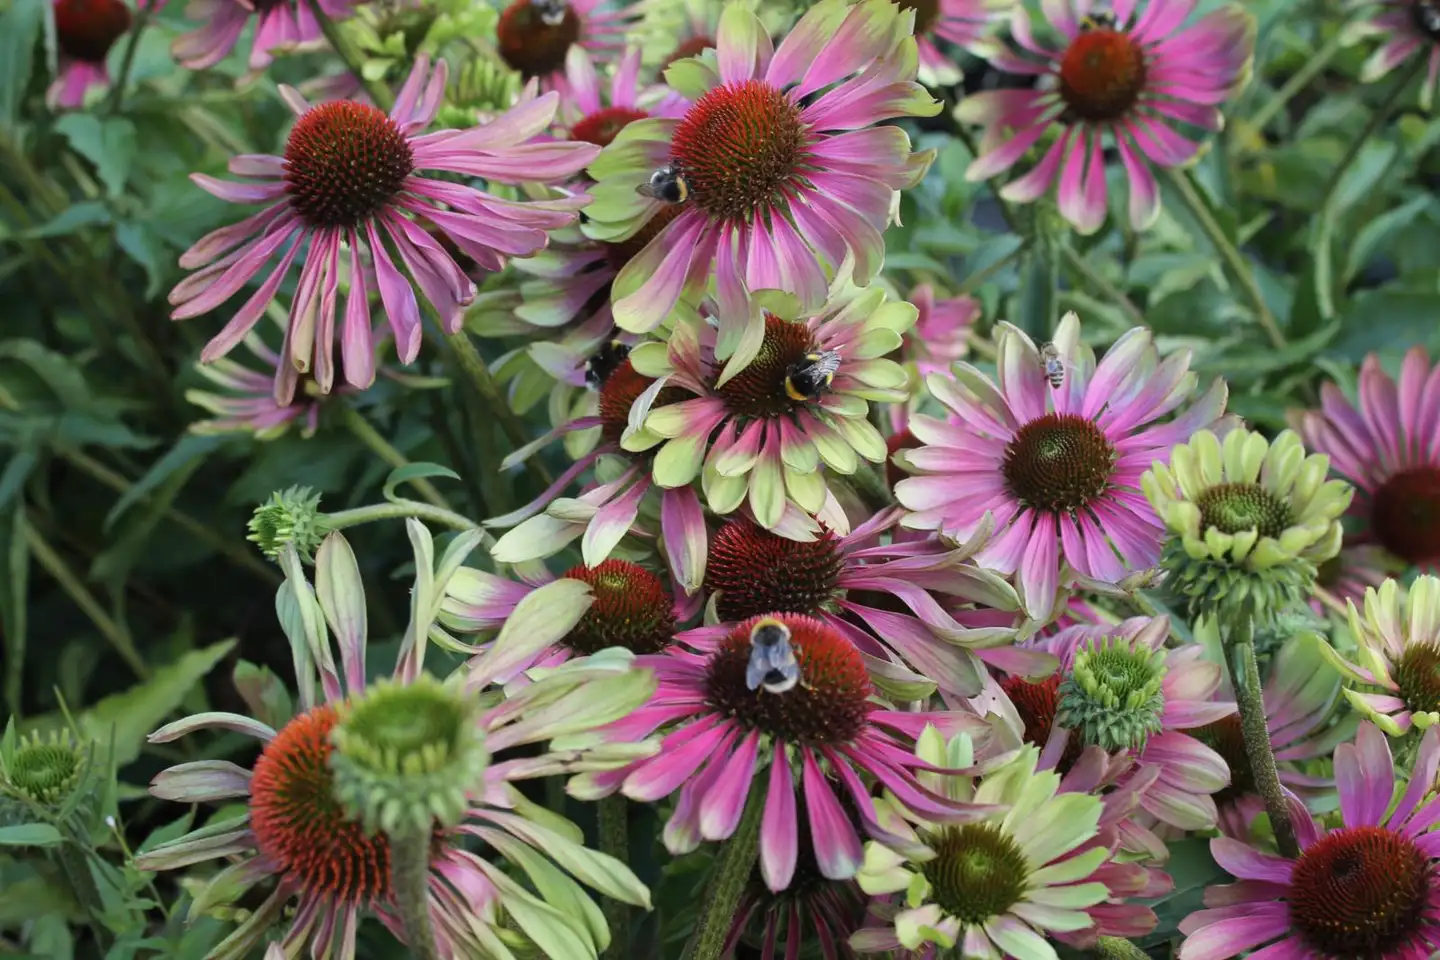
x=143, y=246
x=110, y=144
x=69, y=220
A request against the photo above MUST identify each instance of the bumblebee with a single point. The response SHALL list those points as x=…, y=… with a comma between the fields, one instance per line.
x=1426, y=14
x=812, y=376
x=665, y=185
x=1053, y=366
x=604, y=362
x=552, y=12
x=1098, y=21
x=772, y=667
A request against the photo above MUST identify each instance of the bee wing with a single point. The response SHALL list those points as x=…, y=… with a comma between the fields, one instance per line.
x=828, y=363
x=647, y=189
x=756, y=669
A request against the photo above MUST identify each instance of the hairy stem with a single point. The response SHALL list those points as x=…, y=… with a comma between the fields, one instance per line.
x=410, y=880
x=727, y=882
x=479, y=376
x=391, y=511
x=366, y=433
x=613, y=813
x=1245, y=678
x=1114, y=948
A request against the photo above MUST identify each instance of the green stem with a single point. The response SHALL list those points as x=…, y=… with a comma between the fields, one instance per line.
x=1108, y=290
x=728, y=878
x=1318, y=61
x=112, y=631
x=1245, y=678
x=410, y=881
x=391, y=511
x=613, y=813
x=70, y=858
x=379, y=93
x=1114, y=948
x=366, y=433
x=1234, y=260
x=1378, y=116
x=479, y=376
x=117, y=89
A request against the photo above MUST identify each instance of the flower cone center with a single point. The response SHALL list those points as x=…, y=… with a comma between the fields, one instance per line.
x=409, y=720
x=1406, y=516
x=1059, y=462
x=926, y=13
x=1114, y=696
x=601, y=127
x=533, y=38
x=1225, y=737
x=87, y=29
x=301, y=828
x=618, y=394
x=759, y=389
x=1036, y=703
x=1238, y=507
x=828, y=706
x=758, y=572
x=1359, y=892
x=344, y=164
x=1418, y=677
x=45, y=772
x=622, y=252
x=1102, y=74
x=740, y=148
x=632, y=609
x=978, y=872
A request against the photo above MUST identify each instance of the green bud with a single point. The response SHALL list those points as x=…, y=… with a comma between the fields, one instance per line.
x=289, y=516
x=46, y=771
x=1113, y=697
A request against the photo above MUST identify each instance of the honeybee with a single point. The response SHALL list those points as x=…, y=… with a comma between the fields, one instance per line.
x=772, y=667
x=604, y=362
x=811, y=376
x=1427, y=16
x=1054, y=367
x=665, y=185
x=552, y=12
x=1098, y=21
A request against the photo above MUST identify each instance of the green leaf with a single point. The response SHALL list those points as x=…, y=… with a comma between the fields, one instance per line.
x=14, y=603
x=1380, y=230
x=30, y=835
x=1039, y=285
x=17, y=471
x=109, y=144
x=185, y=452
x=415, y=471
x=19, y=28
x=146, y=248
x=987, y=259
x=113, y=564
x=69, y=220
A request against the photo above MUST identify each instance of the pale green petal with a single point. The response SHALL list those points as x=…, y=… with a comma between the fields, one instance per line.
x=1069, y=870
x=679, y=460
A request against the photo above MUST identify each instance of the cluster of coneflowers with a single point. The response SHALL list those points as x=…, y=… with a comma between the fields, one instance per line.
x=877, y=658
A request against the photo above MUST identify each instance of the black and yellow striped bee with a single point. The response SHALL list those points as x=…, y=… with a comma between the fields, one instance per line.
x=772, y=667
x=665, y=185
x=604, y=362
x=552, y=12
x=811, y=376
x=1098, y=21
x=1053, y=366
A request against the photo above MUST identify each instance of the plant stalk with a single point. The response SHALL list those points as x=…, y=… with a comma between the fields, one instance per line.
x=1261, y=118
x=1378, y=117
x=122, y=78
x=366, y=433
x=1245, y=678
x=398, y=509
x=727, y=882
x=479, y=376
x=410, y=879
x=613, y=813
x=379, y=94
x=1115, y=948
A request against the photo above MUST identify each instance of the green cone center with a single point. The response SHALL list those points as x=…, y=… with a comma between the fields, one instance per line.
x=978, y=872
x=1238, y=507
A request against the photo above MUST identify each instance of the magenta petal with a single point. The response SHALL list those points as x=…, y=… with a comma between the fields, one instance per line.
x=837, y=845
x=1244, y=862
x=721, y=807
x=398, y=298
x=779, y=848
x=662, y=774
x=1364, y=777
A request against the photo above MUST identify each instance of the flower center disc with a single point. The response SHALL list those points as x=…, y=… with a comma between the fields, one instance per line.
x=759, y=389
x=1059, y=462
x=978, y=872
x=1102, y=74
x=1036, y=704
x=45, y=772
x=632, y=609
x=1406, y=515
x=530, y=44
x=759, y=572
x=828, y=706
x=600, y=128
x=926, y=13
x=740, y=147
x=1225, y=738
x=344, y=163
x=1418, y=677
x=618, y=394
x=87, y=29
x=1238, y=507
x=299, y=825
x=1359, y=892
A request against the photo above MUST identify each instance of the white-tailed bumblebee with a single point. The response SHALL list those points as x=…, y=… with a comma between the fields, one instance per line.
x=1053, y=366
x=604, y=362
x=772, y=665
x=1426, y=14
x=811, y=376
x=552, y=12
x=665, y=185
x=1098, y=21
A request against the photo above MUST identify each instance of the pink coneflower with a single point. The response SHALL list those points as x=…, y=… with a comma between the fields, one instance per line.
x=1352, y=571
x=535, y=36
x=941, y=334
x=1366, y=889
x=1388, y=445
x=1130, y=75
x=281, y=26
x=777, y=193
x=85, y=30
x=349, y=177
x=1058, y=467
x=1411, y=28
x=968, y=24
x=721, y=733
x=247, y=403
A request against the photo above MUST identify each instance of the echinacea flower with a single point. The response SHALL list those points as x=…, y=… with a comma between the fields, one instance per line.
x=350, y=177
x=330, y=774
x=997, y=886
x=777, y=192
x=720, y=733
x=1250, y=519
x=1120, y=80
x=281, y=26
x=1365, y=889
x=1398, y=650
x=941, y=334
x=1388, y=445
x=1411, y=28
x=762, y=435
x=85, y=30
x=1058, y=467
x=967, y=24
x=903, y=596
x=247, y=401
x=534, y=37
x=1352, y=571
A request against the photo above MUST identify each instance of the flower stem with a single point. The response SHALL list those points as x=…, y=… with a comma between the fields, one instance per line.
x=410, y=881
x=379, y=94
x=1108, y=290
x=391, y=511
x=1261, y=118
x=479, y=376
x=1229, y=253
x=1114, y=948
x=613, y=813
x=727, y=882
x=1378, y=116
x=366, y=433
x=1245, y=678
x=117, y=89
